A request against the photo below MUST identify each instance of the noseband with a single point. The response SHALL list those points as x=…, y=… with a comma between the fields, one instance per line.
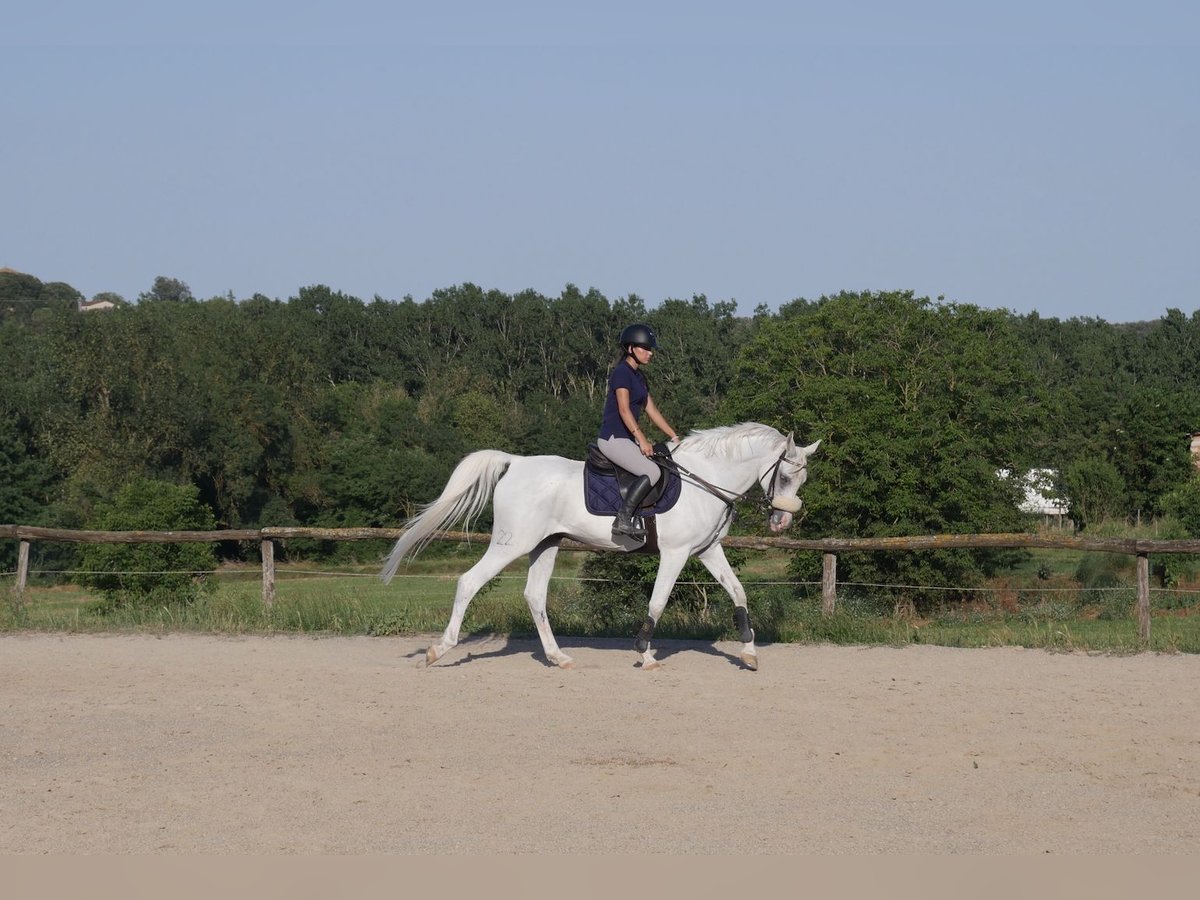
x=783, y=504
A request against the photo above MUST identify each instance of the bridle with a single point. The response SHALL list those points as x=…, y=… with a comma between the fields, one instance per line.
x=732, y=498
x=793, y=504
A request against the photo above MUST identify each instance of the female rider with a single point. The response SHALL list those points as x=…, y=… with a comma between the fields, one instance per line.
x=621, y=438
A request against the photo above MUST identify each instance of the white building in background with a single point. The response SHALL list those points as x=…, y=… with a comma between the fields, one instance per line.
x=1039, y=499
x=94, y=304
x=1039, y=491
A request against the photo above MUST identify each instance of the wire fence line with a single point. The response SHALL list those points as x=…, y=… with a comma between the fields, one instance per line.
x=435, y=576
x=447, y=576
x=1132, y=546
x=828, y=547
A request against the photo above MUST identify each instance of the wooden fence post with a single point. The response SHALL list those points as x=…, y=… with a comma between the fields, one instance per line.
x=22, y=570
x=1143, y=596
x=268, y=573
x=828, y=583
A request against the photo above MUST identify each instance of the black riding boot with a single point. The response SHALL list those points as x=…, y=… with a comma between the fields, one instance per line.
x=625, y=523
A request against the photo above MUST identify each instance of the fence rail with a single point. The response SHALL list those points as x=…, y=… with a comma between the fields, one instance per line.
x=829, y=547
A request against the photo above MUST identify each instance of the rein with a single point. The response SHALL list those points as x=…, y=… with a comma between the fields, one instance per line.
x=722, y=494
x=725, y=495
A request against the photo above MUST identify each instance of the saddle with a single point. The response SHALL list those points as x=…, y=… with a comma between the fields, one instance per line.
x=605, y=485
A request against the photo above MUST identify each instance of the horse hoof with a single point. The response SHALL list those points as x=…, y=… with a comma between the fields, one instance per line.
x=432, y=656
x=750, y=661
x=566, y=663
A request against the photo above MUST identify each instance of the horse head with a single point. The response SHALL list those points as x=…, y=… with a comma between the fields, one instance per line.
x=786, y=478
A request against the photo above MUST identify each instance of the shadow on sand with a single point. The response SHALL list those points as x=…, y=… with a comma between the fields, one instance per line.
x=478, y=648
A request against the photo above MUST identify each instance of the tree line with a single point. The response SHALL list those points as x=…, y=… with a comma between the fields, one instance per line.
x=327, y=410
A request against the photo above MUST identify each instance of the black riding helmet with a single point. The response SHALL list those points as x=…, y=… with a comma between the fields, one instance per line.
x=640, y=336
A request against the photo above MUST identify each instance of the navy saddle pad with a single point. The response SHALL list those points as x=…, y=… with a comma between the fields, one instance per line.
x=602, y=491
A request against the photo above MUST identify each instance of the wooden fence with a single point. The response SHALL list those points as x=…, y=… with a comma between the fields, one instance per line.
x=828, y=547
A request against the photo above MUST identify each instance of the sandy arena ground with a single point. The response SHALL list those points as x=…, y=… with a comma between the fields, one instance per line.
x=186, y=744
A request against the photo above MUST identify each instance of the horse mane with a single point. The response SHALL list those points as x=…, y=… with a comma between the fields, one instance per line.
x=732, y=440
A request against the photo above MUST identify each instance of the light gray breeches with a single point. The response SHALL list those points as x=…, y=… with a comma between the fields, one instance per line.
x=625, y=453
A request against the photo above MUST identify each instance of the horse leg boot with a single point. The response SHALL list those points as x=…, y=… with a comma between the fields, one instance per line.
x=670, y=564
x=741, y=620
x=714, y=560
x=642, y=644
x=625, y=523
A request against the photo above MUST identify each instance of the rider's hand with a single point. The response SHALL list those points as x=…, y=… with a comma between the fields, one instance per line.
x=645, y=446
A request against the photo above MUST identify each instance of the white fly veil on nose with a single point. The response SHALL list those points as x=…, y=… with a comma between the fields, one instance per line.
x=786, y=504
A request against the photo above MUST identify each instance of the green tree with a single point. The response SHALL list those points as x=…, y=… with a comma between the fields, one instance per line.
x=26, y=301
x=167, y=290
x=25, y=485
x=1183, y=503
x=918, y=404
x=1095, y=491
x=1126, y=394
x=150, y=574
x=1084, y=367
x=1149, y=447
x=698, y=344
x=19, y=294
x=383, y=461
x=578, y=346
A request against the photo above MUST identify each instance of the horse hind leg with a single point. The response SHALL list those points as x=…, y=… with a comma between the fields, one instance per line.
x=469, y=583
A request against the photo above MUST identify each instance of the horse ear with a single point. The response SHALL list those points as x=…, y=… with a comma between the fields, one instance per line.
x=791, y=443
x=811, y=449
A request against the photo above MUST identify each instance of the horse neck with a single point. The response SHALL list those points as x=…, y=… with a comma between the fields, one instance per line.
x=735, y=473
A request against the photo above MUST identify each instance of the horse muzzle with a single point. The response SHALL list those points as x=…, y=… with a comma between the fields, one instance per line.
x=782, y=510
x=779, y=520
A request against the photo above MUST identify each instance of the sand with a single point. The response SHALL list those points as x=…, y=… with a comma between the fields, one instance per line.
x=263, y=745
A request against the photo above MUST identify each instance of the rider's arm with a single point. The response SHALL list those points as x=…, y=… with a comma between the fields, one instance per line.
x=659, y=420
x=626, y=414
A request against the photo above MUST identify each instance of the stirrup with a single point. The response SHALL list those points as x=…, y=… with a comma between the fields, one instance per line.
x=635, y=529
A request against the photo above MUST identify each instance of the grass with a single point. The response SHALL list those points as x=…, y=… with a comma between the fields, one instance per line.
x=349, y=599
x=343, y=599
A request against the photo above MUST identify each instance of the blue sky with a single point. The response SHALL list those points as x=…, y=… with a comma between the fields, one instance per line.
x=1034, y=156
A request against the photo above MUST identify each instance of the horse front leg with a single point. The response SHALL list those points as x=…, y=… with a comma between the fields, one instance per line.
x=670, y=564
x=714, y=560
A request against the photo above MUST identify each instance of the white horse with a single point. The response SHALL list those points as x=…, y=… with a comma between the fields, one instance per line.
x=539, y=501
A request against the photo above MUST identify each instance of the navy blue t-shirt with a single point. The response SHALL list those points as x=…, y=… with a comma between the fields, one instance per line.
x=623, y=376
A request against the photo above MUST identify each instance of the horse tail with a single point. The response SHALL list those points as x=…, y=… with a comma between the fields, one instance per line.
x=464, y=497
